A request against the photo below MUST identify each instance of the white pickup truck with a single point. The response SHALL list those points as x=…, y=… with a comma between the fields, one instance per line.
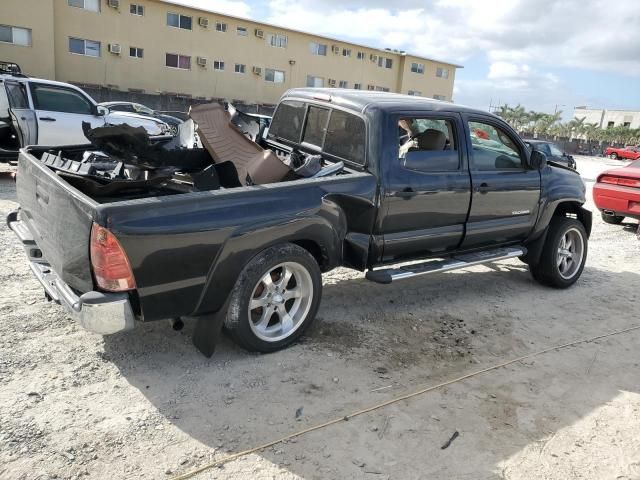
x=34, y=111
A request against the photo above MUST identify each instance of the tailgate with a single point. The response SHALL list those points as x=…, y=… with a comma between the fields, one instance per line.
x=59, y=218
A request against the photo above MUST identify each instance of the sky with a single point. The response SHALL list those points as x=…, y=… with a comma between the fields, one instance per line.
x=544, y=54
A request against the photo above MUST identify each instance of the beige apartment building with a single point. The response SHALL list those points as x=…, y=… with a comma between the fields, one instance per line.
x=160, y=47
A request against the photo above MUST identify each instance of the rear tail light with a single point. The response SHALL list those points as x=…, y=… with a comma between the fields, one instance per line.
x=110, y=264
x=625, y=182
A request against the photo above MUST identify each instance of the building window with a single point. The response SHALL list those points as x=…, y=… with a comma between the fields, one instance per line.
x=346, y=52
x=361, y=56
x=218, y=65
x=80, y=46
x=315, y=82
x=240, y=68
x=242, y=31
x=92, y=5
x=182, y=62
x=442, y=72
x=385, y=62
x=415, y=93
x=357, y=86
x=277, y=40
x=318, y=48
x=439, y=97
x=371, y=87
x=417, y=67
x=626, y=124
x=610, y=124
x=136, y=52
x=274, y=76
x=343, y=84
x=136, y=10
x=15, y=35
x=179, y=21
x=221, y=27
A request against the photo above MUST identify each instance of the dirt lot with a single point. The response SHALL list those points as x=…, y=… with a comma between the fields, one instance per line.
x=147, y=405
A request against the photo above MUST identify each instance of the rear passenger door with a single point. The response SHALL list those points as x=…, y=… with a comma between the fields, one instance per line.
x=22, y=117
x=426, y=185
x=505, y=190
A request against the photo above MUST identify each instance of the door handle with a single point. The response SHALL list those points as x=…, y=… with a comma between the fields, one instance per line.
x=483, y=188
x=47, y=119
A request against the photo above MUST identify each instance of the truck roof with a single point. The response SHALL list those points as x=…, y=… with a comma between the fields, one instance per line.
x=360, y=100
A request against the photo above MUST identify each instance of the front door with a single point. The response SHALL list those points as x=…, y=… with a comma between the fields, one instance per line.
x=60, y=112
x=426, y=185
x=506, y=191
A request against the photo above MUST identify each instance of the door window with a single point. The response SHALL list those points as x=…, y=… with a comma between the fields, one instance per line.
x=555, y=151
x=428, y=144
x=346, y=136
x=54, y=99
x=493, y=149
x=17, y=94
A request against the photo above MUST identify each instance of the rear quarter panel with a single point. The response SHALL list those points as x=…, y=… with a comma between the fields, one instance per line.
x=187, y=251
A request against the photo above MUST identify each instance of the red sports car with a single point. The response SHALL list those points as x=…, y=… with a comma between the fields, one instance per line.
x=617, y=193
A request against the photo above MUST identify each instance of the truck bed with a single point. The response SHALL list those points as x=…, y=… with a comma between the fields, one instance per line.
x=177, y=240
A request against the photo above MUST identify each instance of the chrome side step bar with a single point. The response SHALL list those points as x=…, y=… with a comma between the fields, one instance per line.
x=389, y=275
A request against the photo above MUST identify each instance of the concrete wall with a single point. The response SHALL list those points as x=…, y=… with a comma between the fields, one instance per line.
x=50, y=57
x=37, y=15
x=604, y=117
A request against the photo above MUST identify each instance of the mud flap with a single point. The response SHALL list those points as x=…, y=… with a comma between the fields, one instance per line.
x=208, y=331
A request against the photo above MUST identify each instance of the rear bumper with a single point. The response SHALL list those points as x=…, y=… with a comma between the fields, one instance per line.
x=623, y=201
x=97, y=312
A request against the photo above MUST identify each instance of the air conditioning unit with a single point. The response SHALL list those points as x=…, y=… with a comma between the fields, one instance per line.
x=335, y=49
x=259, y=33
x=202, y=61
x=257, y=70
x=331, y=82
x=115, y=48
x=203, y=22
x=114, y=3
x=373, y=58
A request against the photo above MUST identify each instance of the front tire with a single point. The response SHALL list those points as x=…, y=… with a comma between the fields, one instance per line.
x=611, y=219
x=613, y=156
x=563, y=255
x=275, y=299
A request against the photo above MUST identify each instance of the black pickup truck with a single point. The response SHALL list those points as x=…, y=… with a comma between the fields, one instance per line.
x=423, y=187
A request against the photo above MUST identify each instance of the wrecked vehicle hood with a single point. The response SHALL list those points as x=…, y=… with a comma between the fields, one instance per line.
x=154, y=126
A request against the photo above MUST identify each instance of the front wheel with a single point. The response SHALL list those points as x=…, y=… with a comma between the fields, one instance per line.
x=275, y=299
x=563, y=255
x=613, y=156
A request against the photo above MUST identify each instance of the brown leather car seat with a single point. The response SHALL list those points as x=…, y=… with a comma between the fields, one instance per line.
x=226, y=143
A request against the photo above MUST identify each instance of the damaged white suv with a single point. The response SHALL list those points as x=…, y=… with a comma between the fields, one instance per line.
x=34, y=111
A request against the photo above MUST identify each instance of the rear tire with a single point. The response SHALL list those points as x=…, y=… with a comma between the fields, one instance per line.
x=275, y=299
x=611, y=219
x=563, y=255
x=613, y=156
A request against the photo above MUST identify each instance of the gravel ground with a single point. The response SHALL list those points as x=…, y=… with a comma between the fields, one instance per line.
x=147, y=405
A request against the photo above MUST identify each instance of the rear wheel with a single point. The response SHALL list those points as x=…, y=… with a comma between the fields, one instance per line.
x=611, y=219
x=275, y=299
x=563, y=255
x=613, y=156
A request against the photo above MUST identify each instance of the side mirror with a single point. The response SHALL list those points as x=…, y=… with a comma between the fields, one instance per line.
x=101, y=111
x=537, y=160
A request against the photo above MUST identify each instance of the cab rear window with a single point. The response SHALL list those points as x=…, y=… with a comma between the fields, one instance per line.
x=334, y=132
x=287, y=121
